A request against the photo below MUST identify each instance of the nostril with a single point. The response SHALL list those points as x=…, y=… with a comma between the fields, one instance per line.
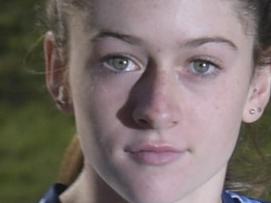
x=142, y=122
x=174, y=123
x=155, y=116
x=154, y=119
x=141, y=119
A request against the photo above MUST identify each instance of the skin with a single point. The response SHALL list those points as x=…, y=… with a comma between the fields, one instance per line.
x=163, y=98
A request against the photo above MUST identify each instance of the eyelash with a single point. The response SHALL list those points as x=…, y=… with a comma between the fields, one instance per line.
x=204, y=60
x=108, y=63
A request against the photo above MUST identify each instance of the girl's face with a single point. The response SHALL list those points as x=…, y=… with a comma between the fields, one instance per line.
x=159, y=90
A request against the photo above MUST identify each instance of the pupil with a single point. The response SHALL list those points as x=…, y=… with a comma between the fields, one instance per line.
x=201, y=67
x=120, y=63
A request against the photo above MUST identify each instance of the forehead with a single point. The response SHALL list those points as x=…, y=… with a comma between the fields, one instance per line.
x=156, y=20
x=127, y=14
x=109, y=9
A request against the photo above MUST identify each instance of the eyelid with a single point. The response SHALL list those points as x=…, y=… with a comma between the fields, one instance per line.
x=136, y=61
x=213, y=61
x=216, y=66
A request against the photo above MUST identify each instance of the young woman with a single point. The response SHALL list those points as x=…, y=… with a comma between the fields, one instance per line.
x=158, y=90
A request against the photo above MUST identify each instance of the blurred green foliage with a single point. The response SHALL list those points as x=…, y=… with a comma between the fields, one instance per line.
x=33, y=138
x=20, y=50
x=34, y=134
x=251, y=162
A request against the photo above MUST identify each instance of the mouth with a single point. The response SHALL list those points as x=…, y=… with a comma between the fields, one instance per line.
x=154, y=155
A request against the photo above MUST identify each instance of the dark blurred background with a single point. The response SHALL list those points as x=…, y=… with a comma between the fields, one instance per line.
x=34, y=134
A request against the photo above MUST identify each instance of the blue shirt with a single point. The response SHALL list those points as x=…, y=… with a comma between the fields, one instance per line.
x=52, y=196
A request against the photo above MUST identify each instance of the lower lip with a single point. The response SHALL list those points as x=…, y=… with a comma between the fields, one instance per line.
x=156, y=158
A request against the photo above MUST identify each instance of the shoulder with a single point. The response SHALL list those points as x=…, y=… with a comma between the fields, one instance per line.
x=52, y=196
x=237, y=198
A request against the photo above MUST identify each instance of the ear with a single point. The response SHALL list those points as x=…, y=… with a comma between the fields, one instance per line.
x=55, y=72
x=258, y=95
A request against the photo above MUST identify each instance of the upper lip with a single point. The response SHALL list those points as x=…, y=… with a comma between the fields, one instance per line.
x=156, y=148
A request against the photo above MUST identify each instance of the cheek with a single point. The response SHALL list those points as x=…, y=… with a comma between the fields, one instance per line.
x=219, y=118
x=97, y=103
x=107, y=98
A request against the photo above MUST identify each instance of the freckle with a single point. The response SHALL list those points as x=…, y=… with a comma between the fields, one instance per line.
x=159, y=50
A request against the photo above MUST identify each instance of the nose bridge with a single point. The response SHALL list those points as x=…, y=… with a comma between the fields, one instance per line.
x=160, y=89
x=159, y=107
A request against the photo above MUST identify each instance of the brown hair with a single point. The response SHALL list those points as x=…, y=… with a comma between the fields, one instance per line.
x=72, y=163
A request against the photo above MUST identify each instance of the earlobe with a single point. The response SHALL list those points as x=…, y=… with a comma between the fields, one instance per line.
x=55, y=74
x=258, y=96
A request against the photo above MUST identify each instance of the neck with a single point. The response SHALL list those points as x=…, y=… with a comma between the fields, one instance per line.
x=210, y=192
x=90, y=188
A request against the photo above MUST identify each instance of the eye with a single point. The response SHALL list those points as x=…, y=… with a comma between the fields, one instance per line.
x=120, y=63
x=203, y=67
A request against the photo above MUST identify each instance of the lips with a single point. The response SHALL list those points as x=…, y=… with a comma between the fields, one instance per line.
x=156, y=155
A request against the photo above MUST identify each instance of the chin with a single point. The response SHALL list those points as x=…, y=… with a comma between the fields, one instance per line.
x=150, y=192
x=152, y=197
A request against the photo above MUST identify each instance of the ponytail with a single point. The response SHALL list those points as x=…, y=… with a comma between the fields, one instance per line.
x=72, y=163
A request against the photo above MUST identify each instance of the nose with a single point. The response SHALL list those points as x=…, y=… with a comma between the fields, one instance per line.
x=156, y=104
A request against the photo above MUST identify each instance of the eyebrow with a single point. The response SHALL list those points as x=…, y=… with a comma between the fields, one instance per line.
x=204, y=40
x=123, y=37
x=191, y=43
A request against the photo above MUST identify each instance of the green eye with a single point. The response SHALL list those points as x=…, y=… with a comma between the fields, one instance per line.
x=203, y=67
x=120, y=64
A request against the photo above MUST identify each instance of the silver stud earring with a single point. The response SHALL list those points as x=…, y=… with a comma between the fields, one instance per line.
x=252, y=111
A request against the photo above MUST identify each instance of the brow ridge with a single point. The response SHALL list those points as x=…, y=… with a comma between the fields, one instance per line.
x=191, y=43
